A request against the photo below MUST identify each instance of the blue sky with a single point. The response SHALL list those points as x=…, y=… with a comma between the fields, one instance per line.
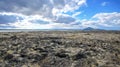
x=59, y=14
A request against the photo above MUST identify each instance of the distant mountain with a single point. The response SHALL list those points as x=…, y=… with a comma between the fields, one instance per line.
x=91, y=29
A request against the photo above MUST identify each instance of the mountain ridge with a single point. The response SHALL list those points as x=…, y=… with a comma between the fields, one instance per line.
x=91, y=29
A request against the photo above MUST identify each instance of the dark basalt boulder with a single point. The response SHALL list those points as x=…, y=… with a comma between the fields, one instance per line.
x=36, y=57
x=14, y=37
x=79, y=56
x=40, y=49
x=62, y=55
x=8, y=57
x=56, y=42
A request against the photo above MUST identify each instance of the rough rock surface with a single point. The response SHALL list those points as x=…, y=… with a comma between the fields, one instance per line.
x=60, y=49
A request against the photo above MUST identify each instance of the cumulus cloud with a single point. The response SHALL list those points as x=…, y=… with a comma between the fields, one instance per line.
x=108, y=18
x=35, y=22
x=30, y=25
x=64, y=19
x=27, y=22
x=76, y=14
x=103, y=19
x=39, y=22
x=104, y=3
x=42, y=11
x=51, y=14
x=41, y=7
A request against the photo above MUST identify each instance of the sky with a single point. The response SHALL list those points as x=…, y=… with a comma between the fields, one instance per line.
x=60, y=14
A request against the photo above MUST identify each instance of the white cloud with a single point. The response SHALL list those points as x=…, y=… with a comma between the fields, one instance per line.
x=30, y=25
x=55, y=13
x=25, y=17
x=99, y=19
x=88, y=23
x=10, y=13
x=103, y=19
x=26, y=22
x=44, y=8
x=71, y=5
x=76, y=14
x=52, y=11
x=108, y=18
x=104, y=3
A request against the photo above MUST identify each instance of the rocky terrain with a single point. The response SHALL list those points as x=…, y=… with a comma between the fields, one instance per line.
x=60, y=49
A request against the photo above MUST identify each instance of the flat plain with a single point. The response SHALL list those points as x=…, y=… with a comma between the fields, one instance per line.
x=60, y=49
